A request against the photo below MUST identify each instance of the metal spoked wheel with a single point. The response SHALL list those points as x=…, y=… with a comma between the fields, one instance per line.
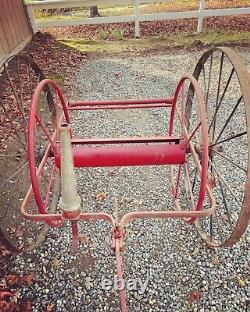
x=19, y=76
x=225, y=82
x=189, y=122
x=43, y=136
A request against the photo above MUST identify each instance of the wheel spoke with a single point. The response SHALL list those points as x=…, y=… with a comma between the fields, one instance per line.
x=13, y=127
x=44, y=112
x=13, y=192
x=21, y=106
x=195, y=179
x=230, y=160
x=219, y=175
x=178, y=181
x=209, y=78
x=229, y=118
x=210, y=166
x=222, y=97
x=194, y=132
x=211, y=227
x=193, y=170
x=44, y=179
x=25, y=235
x=12, y=155
x=229, y=139
x=185, y=128
x=17, y=140
x=30, y=80
x=19, y=77
x=219, y=226
x=204, y=79
x=188, y=185
x=49, y=185
x=225, y=203
x=225, y=85
x=13, y=175
x=182, y=107
x=217, y=96
x=45, y=131
x=220, y=102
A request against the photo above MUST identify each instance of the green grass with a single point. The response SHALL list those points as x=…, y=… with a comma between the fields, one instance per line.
x=98, y=46
x=115, y=10
x=226, y=37
x=104, y=46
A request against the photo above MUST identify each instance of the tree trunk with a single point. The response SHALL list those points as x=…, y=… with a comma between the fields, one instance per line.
x=94, y=11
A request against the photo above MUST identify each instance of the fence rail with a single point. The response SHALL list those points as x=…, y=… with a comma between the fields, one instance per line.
x=137, y=17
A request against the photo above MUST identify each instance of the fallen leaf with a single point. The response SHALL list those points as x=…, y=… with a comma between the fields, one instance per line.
x=101, y=196
x=215, y=260
x=194, y=295
x=11, y=229
x=7, y=306
x=28, y=279
x=50, y=307
x=4, y=251
x=12, y=279
x=242, y=283
x=56, y=262
x=59, y=240
x=27, y=306
x=94, y=244
x=16, y=297
x=211, y=181
x=6, y=294
x=118, y=75
x=4, y=306
x=225, y=218
x=83, y=238
x=112, y=173
x=242, y=186
x=19, y=231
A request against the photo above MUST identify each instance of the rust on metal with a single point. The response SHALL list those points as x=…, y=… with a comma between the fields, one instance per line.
x=188, y=149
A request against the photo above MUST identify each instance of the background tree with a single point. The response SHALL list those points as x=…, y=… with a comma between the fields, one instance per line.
x=94, y=11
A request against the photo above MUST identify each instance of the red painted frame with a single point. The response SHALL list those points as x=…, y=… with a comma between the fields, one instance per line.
x=173, y=150
x=157, y=154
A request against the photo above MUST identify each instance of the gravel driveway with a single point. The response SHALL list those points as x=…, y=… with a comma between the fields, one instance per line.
x=183, y=274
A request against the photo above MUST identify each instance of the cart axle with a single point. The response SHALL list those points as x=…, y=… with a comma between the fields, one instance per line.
x=157, y=154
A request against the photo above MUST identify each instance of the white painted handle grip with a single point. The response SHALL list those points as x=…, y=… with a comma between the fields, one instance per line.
x=70, y=201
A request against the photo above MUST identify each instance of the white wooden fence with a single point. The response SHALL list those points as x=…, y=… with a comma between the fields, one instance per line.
x=137, y=17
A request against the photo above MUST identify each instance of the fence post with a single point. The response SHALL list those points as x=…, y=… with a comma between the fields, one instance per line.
x=137, y=23
x=32, y=20
x=201, y=16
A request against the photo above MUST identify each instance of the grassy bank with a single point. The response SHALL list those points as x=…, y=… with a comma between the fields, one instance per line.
x=98, y=46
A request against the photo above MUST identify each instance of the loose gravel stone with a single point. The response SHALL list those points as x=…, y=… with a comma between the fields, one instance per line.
x=168, y=253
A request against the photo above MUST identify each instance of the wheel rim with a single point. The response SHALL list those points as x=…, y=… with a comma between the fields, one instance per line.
x=225, y=83
x=42, y=137
x=19, y=76
x=189, y=122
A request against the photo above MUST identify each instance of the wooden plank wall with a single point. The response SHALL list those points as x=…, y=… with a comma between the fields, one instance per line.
x=15, y=28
